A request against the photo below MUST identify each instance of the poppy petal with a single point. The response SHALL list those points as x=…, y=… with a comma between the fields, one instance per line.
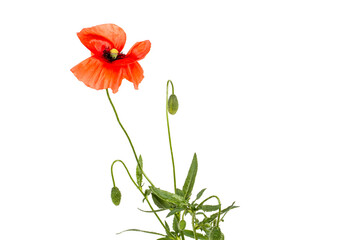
x=139, y=50
x=100, y=37
x=98, y=75
x=134, y=73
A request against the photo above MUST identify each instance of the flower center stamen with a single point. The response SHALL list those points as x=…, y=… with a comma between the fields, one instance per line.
x=114, y=53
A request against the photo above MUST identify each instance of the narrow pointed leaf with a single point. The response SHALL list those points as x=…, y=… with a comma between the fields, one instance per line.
x=138, y=230
x=167, y=196
x=209, y=208
x=190, y=179
x=172, y=212
x=189, y=233
x=179, y=192
x=175, y=224
x=167, y=226
x=161, y=203
x=151, y=211
x=198, y=196
x=139, y=172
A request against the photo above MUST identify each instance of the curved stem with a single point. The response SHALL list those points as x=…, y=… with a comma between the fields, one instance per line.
x=132, y=146
x=218, y=221
x=112, y=175
x=168, y=128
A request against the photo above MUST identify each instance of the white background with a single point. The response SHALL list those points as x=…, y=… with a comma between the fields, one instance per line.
x=269, y=101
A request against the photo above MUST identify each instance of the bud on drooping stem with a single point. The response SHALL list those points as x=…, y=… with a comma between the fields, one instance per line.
x=173, y=104
x=115, y=196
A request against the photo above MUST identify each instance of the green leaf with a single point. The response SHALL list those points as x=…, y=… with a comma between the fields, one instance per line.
x=167, y=226
x=168, y=197
x=229, y=208
x=139, y=172
x=179, y=192
x=138, y=230
x=198, y=196
x=175, y=210
x=151, y=211
x=209, y=208
x=161, y=203
x=147, y=193
x=215, y=215
x=189, y=233
x=190, y=179
x=176, y=224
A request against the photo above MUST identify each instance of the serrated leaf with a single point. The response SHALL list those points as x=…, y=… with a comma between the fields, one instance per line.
x=161, y=203
x=175, y=210
x=139, y=172
x=175, y=224
x=229, y=208
x=179, y=192
x=189, y=233
x=215, y=215
x=190, y=179
x=168, y=196
x=209, y=208
x=198, y=196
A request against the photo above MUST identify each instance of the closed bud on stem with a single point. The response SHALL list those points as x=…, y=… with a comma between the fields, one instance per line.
x=115, y=196
x=216, y=234
x=173, y=104
x=182, y=225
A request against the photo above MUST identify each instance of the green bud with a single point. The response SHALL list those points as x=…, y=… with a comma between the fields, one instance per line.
x=173, y=104
x=115, y=196
x=182, y=225
x=216, y=234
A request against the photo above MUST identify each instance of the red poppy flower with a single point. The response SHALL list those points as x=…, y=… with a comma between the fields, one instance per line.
x=108, y=66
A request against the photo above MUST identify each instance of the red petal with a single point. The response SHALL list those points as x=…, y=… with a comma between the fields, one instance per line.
x=139, y=50
x=97, y=74
x=100, y=37
x=134, y=73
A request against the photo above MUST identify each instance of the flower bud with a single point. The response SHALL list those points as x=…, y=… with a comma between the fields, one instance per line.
x=216, y=234
x=173, y=104
x=182, y=225
x=115, y=196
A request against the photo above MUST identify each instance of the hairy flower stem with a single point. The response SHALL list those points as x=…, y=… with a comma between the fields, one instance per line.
x=218, y=221
x=132, y=146
x=168, y=128
x=138, y=187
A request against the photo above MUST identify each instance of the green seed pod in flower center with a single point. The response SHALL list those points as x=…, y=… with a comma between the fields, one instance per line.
x=173, y=104
x=216, y=234
x=115, y=196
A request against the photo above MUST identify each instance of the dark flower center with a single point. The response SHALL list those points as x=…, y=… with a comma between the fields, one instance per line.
x=110, y=57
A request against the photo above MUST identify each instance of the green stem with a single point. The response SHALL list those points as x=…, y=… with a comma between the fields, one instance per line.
x=132, y=146
x=193, y=225
x=168, y=128
x=112, y=175
x=218, y=221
